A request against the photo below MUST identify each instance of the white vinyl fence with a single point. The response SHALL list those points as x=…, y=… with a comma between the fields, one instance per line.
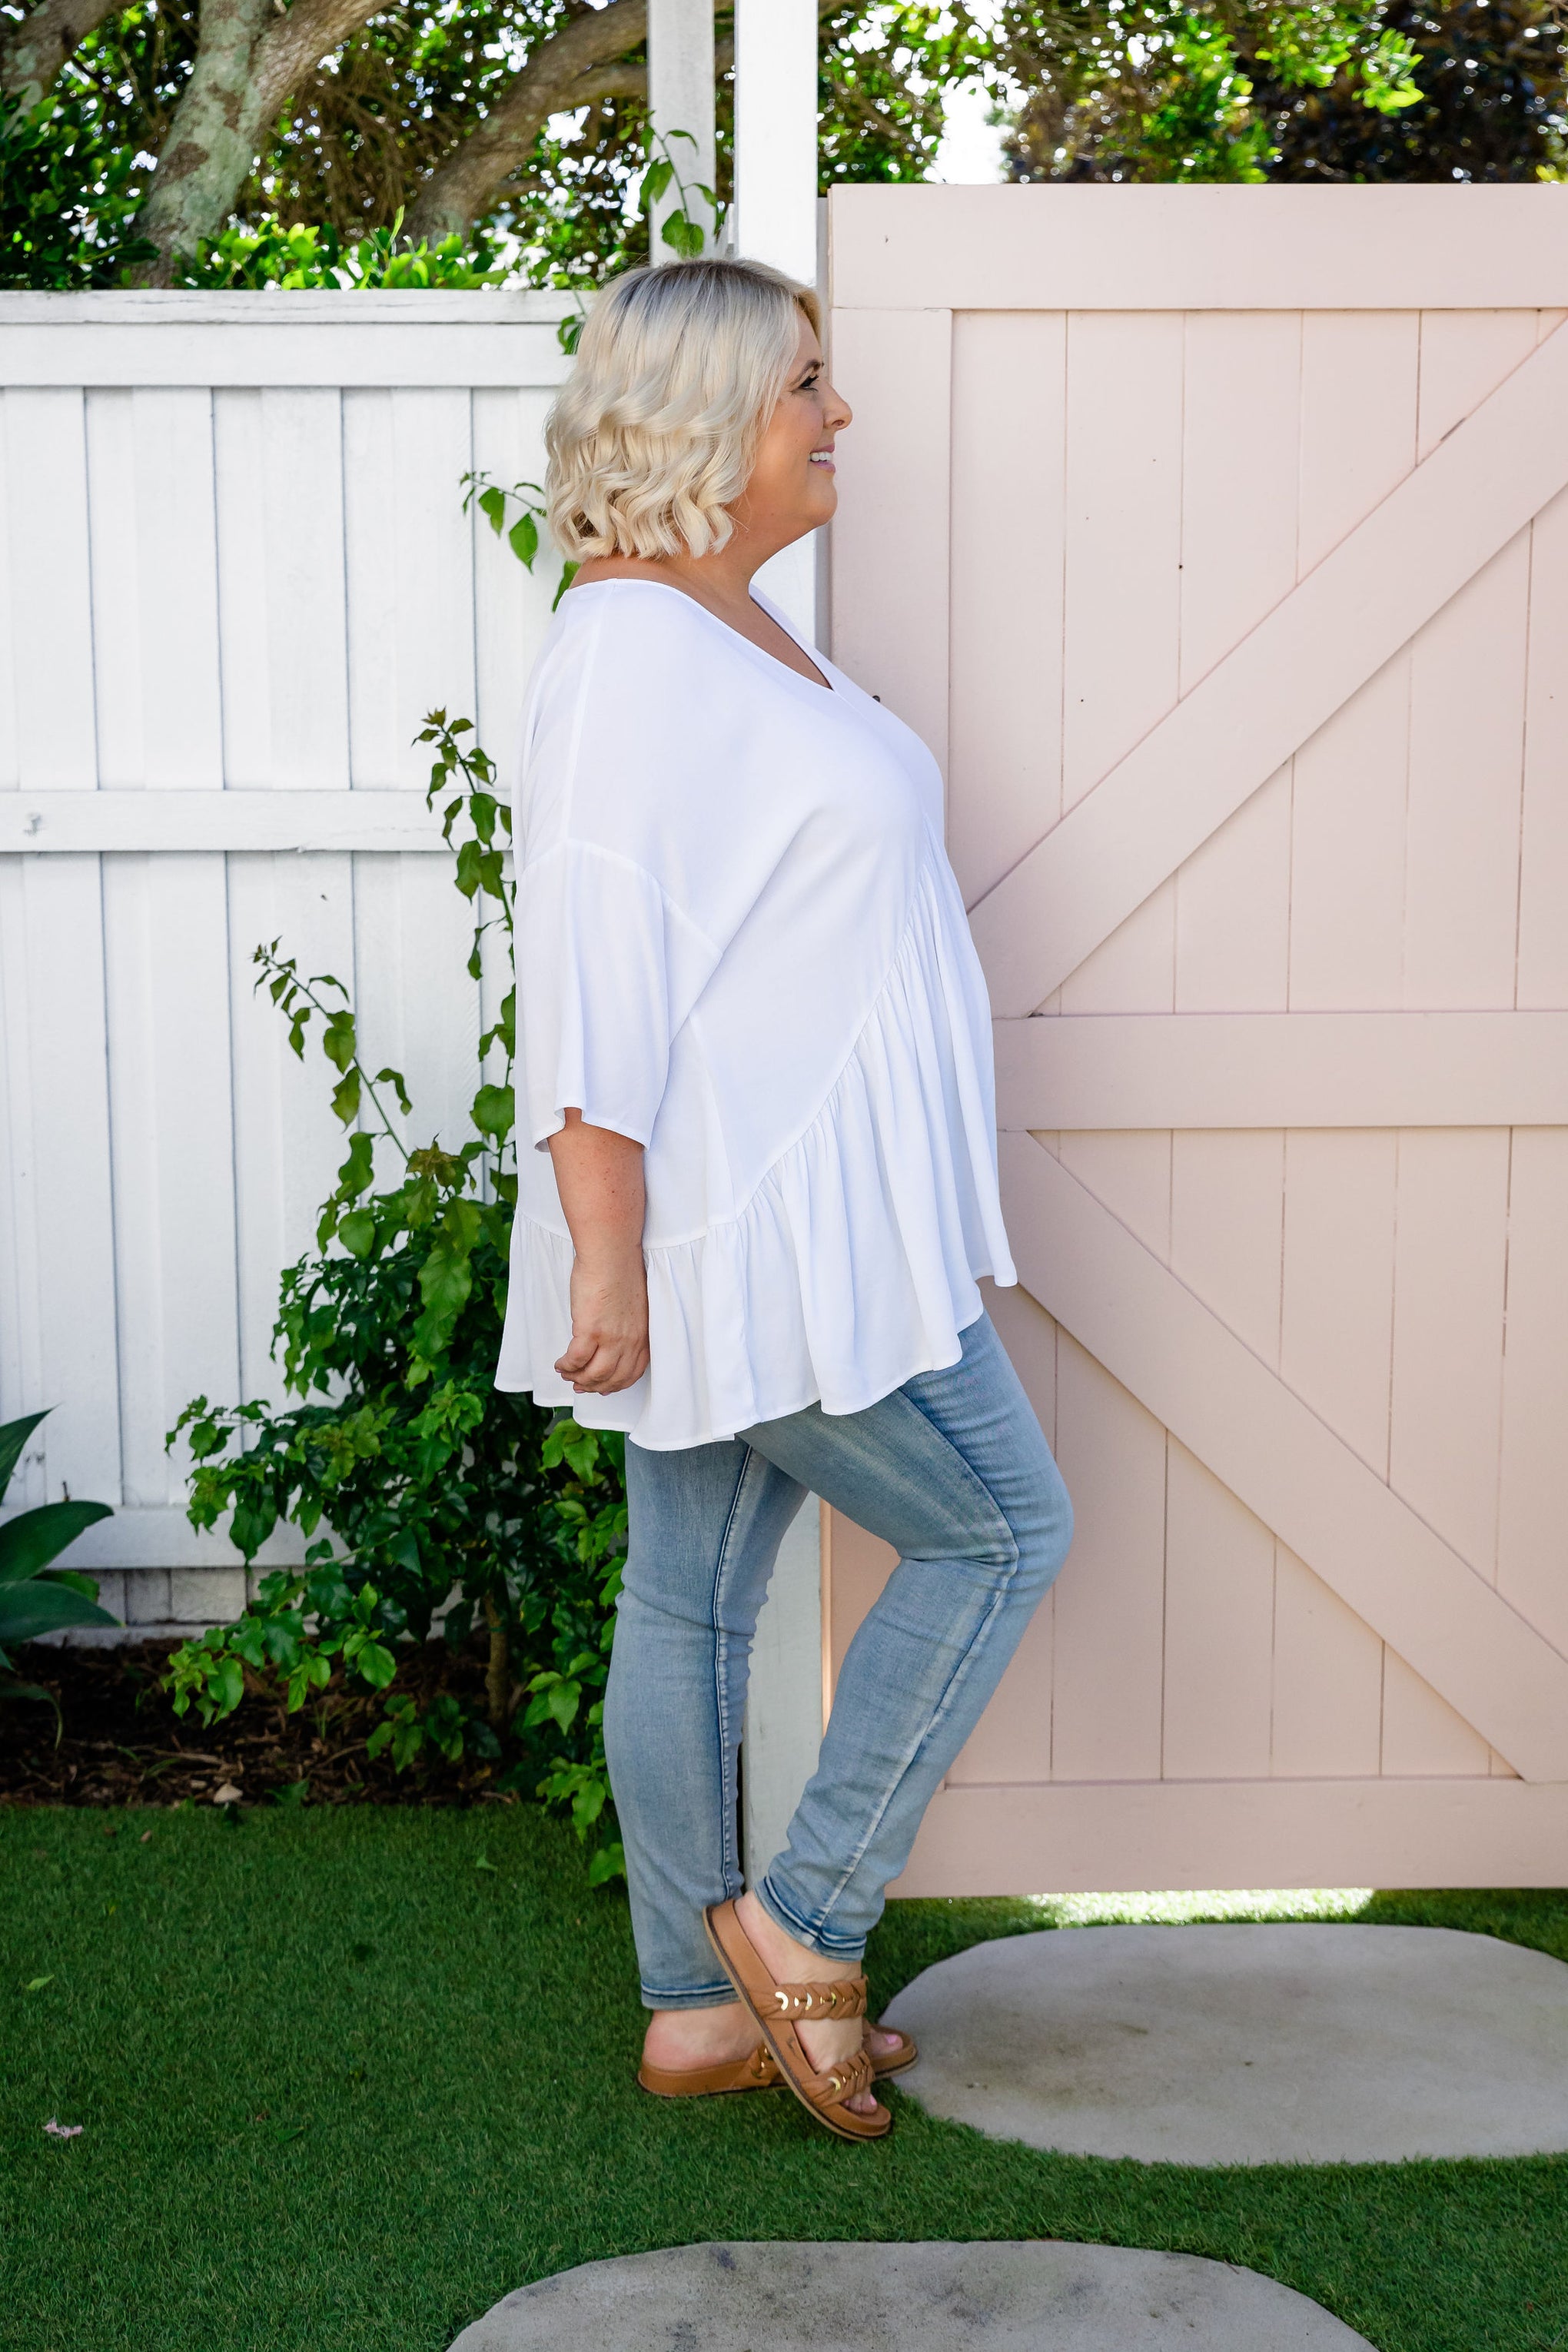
x=235, y=574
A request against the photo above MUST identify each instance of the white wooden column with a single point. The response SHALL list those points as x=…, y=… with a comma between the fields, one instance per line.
x=776, y=208
x=681, y=98
x=776, y=221
x=775, y=133
x=782, y=1728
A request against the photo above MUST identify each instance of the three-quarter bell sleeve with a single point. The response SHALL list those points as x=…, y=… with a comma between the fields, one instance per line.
x=593, y=993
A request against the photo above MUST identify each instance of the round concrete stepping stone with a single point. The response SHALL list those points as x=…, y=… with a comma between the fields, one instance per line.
x=1257, y=2044
x=995, y=2297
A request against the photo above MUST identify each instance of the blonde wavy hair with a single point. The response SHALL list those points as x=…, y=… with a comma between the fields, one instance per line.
x=653, y=437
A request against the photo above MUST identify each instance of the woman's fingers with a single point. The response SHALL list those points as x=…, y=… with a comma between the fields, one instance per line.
x=581, y=1350
x=600, y=1367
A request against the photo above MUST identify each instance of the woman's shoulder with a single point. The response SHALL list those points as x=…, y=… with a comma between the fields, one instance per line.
x=630, y=615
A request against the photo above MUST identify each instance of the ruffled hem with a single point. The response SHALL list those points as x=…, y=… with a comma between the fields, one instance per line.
x=853, y=1266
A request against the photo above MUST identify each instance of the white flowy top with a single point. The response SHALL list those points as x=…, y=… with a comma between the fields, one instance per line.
x=739, y=940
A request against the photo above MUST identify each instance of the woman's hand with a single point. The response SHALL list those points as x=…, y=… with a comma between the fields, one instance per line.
x=599, y=1177
x=609, y=1323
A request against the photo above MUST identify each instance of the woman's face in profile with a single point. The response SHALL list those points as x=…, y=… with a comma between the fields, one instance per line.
x=792, y=488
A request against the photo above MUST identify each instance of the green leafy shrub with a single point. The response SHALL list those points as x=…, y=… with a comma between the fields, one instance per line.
x=429, y=1500
x=270, y=252
x=34, y=1597
x=68, y=208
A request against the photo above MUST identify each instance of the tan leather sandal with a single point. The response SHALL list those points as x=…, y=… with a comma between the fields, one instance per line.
x=774, y=2007
x=760, y=2071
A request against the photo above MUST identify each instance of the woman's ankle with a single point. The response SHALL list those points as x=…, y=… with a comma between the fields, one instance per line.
x=687, y=2034
x=777, y=1943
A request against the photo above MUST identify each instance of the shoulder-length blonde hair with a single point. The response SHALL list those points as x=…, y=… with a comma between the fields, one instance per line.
x=653, y=437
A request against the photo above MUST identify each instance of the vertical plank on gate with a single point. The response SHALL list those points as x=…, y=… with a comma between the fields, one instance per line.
x=1239, y=485
x=1122, y=629
x=1336, y=1339
x=1327, y=1681
x=1467, y=740
x=1533, y=1503
x=287, y=1143
x=1544, y=849
x=1219, y=1630
x=1106, y=1683
x=1359, y=389
x=1240, y=464
x=1012, y=1740
x=1360, y=375
x=73, y=1209
x=1359, y=397
x=1123, y=549
x=890, y=582
x=51, y=595
x=1121, y=639
x=1005, y=784
x=1448, y=1332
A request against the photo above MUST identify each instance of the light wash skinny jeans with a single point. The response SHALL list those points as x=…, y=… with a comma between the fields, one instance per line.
x=952, y=1470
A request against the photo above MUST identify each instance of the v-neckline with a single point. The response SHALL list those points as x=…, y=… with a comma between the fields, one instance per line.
x=819, y=684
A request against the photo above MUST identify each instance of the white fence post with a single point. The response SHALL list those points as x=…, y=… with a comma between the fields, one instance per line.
x=680, y=98
x=776, y=221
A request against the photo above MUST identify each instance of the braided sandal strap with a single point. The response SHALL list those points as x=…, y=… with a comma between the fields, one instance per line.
x=837, y=2084
x=844, y=1998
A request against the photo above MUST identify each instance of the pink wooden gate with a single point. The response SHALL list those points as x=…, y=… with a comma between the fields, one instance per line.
x=1217, y=541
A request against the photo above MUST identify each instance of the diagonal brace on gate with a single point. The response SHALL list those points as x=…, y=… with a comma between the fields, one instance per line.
x=1224, y=740
x=1168, y=1349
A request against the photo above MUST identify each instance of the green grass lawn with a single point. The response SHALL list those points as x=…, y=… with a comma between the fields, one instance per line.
x=342, y=2087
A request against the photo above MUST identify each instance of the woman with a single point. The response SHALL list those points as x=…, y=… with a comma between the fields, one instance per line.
x=758, y=1179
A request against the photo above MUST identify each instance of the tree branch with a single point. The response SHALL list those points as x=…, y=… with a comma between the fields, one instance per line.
x=565, y=73
x=296, y=43
x=588, y=60
x=33, y=49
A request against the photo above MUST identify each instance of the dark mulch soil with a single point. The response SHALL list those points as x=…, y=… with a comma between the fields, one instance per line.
x=122, y=1743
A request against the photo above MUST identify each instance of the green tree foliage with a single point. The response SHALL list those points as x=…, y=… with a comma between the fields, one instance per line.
x=365, y=129
x=1335, y=90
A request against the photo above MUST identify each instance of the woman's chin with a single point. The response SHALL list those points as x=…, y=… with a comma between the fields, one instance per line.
x=823, y=503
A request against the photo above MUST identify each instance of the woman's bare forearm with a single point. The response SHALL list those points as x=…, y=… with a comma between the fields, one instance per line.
x=599, y=1176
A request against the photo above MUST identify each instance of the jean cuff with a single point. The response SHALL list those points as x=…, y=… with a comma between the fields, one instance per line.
x=815, y=1940
x=689, y=1996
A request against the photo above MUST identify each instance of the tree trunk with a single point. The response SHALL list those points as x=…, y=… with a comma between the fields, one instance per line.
x=213, y=137
x=34, y=47
x=497, y=1673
